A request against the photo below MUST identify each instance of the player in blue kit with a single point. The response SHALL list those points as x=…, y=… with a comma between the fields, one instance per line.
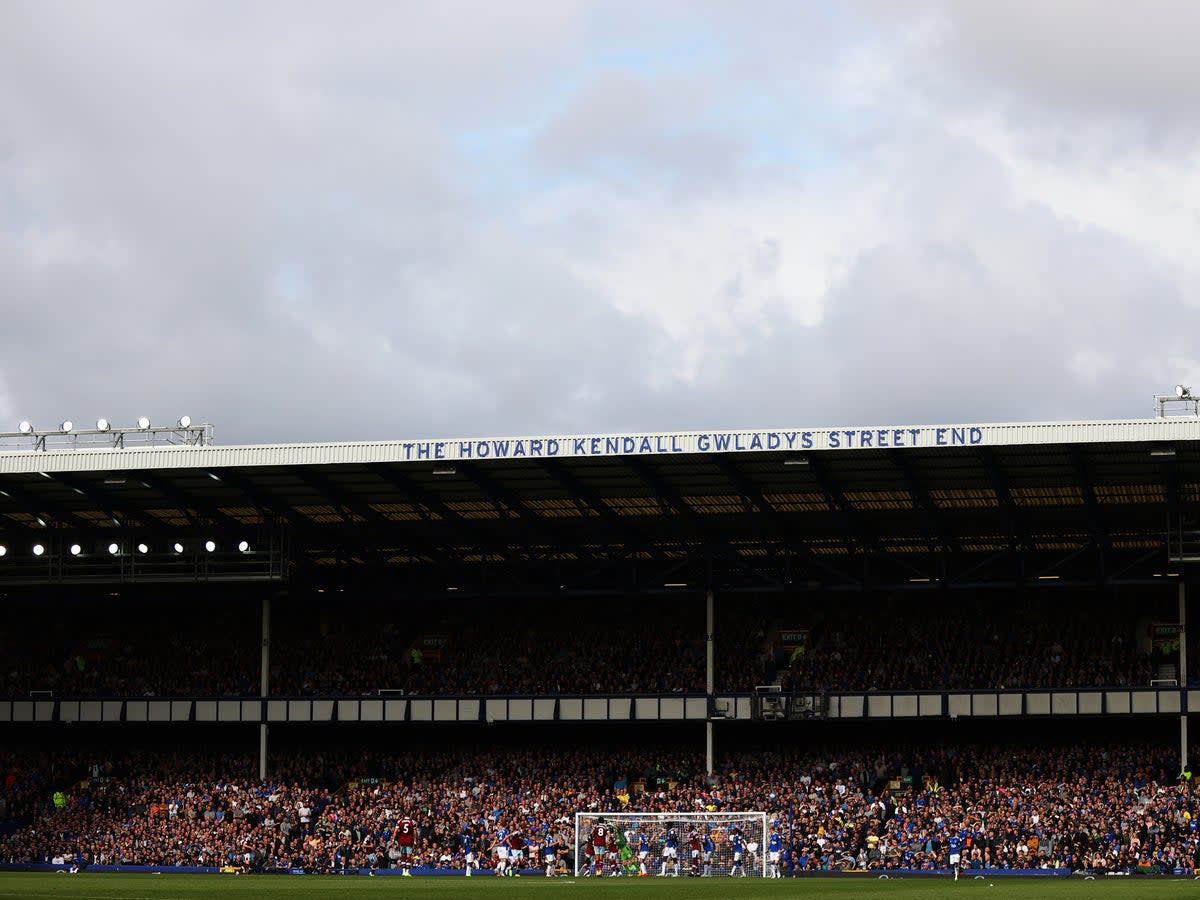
x=709, y=849
x=739, y=851
x=670, y=853
x=774, y=852
x=643, y=852
x=468, y=856
x=955, y=847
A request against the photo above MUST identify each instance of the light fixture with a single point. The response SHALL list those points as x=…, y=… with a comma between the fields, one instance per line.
x=675, y=584
x=795, y=459
x=1047, y=578
x=1183, y=392
x=443, y=471
x=210, y=546
x=38, y=549
x=1162, y=452
x=114, y=549
x=76, y=549
x=143, y=423
x=66, y=426
x=102, y=424
x=3, y=550
x=142, y=548
x=920, y=580
x=185, y=421
x=25, y=427
x=244, y=547
x=178, y=547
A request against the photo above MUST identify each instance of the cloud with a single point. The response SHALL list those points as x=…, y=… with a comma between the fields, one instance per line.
x=379, y=220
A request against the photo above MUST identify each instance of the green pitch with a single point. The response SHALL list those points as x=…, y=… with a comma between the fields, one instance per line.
x=184, y=887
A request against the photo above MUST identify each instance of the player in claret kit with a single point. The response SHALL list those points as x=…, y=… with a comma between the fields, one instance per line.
x=405, y=837
x=613, y=854
x=601, y=832
x=516, y=852
x=695, y=848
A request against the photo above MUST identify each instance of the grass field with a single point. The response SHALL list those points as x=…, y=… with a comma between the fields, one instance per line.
x=185, y=887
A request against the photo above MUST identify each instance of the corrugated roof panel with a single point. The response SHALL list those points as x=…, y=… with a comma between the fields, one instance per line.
x=557, y=509
x=478, y=509
x=808, y=502
x=752, y=551
x=317, y=510
x=1129, y=493
x=964, y=498
x=633, y=506
x=879, y=499
x=829, y=550
x=716, y=504
x=1058, y=543
x=1061, y=495
x=398, y=512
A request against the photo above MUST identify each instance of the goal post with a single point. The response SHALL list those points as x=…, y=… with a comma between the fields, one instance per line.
x=671, y=844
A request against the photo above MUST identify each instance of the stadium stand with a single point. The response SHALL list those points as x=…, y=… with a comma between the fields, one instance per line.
x=878, y=806
x=998, y=642
x=487, y=644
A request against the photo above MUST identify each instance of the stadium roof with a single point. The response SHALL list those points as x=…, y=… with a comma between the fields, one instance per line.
x=795, y=508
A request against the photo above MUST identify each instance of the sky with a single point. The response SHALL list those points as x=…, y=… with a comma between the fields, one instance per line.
x=361, y=221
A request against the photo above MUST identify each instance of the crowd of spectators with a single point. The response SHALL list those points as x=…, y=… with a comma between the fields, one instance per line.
x=340, y=644
x=1111, y=807
x=1017, y=644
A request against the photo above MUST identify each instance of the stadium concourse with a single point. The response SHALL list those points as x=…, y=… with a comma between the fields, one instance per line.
x=911, y=648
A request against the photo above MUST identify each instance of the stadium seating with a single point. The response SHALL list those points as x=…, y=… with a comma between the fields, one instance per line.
x=883, y=806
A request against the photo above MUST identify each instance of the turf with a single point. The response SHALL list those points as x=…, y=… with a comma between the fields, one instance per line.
x=183, y=887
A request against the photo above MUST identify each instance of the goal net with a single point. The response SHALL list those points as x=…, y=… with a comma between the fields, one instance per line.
x=671, y=844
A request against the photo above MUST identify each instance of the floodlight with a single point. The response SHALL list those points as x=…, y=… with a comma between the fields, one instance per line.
x=143, y=423
x=1181, y=391
x=244, y=547
x=114, y=549
x=38, y=549
x=25, y=427
x=178, y=547
x=142, y=548
x=76, y=549
x=102, y=424
x=66, y=426
x=185, y=421
x=210, y=546
x=3, y=550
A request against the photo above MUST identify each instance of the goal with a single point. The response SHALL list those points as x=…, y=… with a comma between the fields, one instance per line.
x=675, y=843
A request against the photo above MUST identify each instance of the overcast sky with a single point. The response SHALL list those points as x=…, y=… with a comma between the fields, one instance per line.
x=327, y=221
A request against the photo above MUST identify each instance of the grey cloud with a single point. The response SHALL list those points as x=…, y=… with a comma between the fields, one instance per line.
x=266, y=218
